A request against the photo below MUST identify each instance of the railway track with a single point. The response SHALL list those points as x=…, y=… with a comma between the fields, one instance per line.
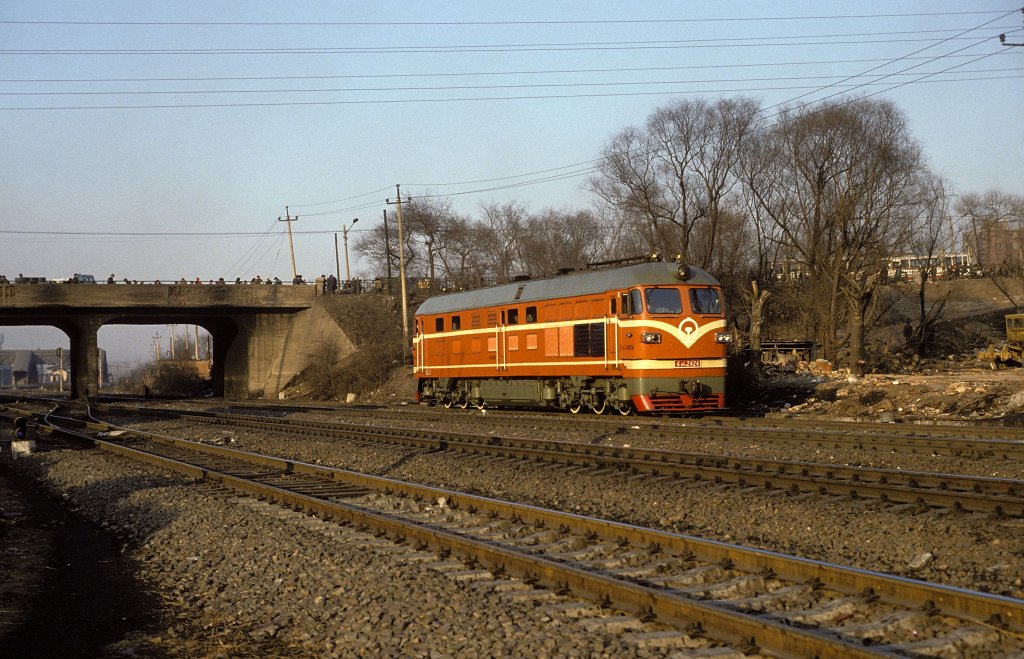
x=753, y=600
x=912, y=438
x=998, y=496
x=978, y=440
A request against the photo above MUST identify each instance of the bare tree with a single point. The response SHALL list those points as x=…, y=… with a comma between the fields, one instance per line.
x=836, y=191
x=503, y=226
x=463, y=253
x=562, y=239
x=931, y=240
x=425, y=222
x=372, y=245
x=677, y=172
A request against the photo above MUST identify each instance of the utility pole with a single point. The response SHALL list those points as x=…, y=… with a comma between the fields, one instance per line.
x=387, y=248
x=344, y=235
x=337, y=263
x=291, y=245
x=401, y=265
x=156, y=346
x=1002, y=37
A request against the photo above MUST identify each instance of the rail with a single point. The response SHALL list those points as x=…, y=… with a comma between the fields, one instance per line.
x=1000, y=496
x=448, y=521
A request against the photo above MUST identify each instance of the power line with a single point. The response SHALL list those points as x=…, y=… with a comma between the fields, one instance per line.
x=537, y=85
x=549, y=175
x=384, y=76
x=338, y=201
x=730, y=43
x=743, y=19
x=595, y=162
x=456, y=99
x=959, y=35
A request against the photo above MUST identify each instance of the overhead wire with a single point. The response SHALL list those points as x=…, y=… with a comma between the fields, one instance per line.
x=747, y=42
x=961, y=34
x=538, y=85
x=580, y=168
x=595, y=162
x=392, y=23
x=450, y=99
x=446, y=74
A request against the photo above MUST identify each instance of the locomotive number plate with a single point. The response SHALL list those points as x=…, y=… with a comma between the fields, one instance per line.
x=683, y=363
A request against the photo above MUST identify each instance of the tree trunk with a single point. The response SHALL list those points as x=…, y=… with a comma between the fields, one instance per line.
x=857, y=338
x=757, y=301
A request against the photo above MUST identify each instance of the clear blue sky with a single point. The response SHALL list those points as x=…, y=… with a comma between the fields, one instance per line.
x=199, y=117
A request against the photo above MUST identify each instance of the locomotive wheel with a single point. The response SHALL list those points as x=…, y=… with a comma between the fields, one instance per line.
x=625, y=409
x=447, y=403
x=463, y=404
x=575, y=406
x=599, y=407
x=480, y=404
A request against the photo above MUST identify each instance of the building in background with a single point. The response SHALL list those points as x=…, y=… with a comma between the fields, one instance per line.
x=998, y=242
x=42, y=368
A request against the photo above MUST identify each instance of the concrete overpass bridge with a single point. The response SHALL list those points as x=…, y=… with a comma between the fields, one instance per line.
x=261, y=333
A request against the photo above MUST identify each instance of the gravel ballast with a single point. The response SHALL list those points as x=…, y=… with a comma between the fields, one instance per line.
x=237, y=577
x=240, y=577
x=971, y=551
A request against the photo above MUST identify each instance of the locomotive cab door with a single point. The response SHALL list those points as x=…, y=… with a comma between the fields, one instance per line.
x=630, y=305
x=611, y=332
x=419, y=347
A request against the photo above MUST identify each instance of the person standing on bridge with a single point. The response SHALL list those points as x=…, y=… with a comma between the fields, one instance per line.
x=110, y=279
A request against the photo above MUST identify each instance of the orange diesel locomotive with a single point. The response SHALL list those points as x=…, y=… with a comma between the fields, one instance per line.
x=647, y=337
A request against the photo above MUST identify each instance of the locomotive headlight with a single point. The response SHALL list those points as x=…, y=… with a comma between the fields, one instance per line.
x=650, y=337
x=723, y=337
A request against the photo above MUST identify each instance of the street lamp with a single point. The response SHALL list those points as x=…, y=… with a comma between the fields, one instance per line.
x=344, y=239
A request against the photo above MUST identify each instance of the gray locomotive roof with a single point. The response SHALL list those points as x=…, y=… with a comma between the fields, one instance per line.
x=579, y=283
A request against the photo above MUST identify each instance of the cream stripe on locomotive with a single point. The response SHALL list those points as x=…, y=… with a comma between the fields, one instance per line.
x=688, y=336
x=629, y=364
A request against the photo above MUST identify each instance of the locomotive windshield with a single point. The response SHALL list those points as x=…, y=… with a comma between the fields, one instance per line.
x=705, y=300
x=663, y=300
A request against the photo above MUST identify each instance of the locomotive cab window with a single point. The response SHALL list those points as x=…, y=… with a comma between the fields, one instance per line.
x=664, y=300
x=456, y=324
x=531, y=314
x=439, y=324
x=513, y=316
x=705, y=301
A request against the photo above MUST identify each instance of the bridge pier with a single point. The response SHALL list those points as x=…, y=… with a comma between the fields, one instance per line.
x=84, y=362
